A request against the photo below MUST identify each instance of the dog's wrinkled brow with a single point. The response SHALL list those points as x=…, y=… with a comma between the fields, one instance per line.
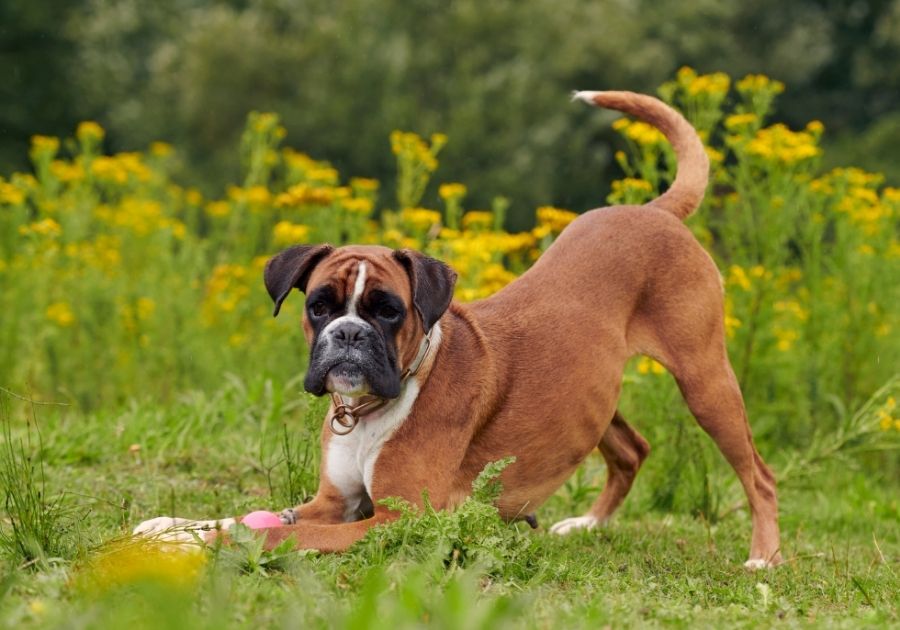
x=325, y=292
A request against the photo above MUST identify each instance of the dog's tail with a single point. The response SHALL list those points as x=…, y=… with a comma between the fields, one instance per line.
x=686, y=192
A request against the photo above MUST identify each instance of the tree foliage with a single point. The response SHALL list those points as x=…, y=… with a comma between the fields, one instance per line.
x=493, y=76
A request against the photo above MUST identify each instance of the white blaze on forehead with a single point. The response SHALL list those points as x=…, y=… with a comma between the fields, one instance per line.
x=358, y=288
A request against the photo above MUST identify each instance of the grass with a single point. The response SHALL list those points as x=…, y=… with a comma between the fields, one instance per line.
x=225, y=454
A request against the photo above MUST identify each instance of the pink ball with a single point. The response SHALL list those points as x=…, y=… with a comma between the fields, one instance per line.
x=261, y=520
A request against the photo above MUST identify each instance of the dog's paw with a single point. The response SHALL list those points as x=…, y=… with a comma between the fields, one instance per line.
x=756, y=564
x=288, y=516
x=569, y=525
x=179, y=530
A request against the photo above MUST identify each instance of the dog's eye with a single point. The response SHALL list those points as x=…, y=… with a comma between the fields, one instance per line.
x=318, y=308
x=388, y=312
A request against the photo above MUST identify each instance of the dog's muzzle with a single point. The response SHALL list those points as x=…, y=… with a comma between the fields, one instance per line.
x=350, y=358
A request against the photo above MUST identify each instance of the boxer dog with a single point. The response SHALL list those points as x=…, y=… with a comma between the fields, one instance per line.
x=426, y=392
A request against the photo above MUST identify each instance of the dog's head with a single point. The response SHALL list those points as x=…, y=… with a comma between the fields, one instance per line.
x=367, y=310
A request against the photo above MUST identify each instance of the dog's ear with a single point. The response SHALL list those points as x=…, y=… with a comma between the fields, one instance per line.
x=291, y=268
x=432, y=284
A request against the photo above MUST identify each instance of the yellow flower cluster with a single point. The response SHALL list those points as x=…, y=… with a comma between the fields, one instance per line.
x=741, y=121
x=886, y=420
x=410, y=145
x=142, y=216
x=10, y=194
x=142, y=561
x=43, y=147
x=304, y=194
x=646, y=365
x=45, y=227
x=60, y=313
x=452, y=191
x=119, y=168
x=420, y=219
x=640, y=132
x=780, y=144
x=856, y=195
x=716, y=84
x=106, y=226
x=103, y=253
x=361, y=206
x=89, y=131
x=741, y=277
x=287, y=233
x=756, y=83
x=630, y=190
x=364, y=184
x=226, y=288
x=553, y=219
x=478, y=219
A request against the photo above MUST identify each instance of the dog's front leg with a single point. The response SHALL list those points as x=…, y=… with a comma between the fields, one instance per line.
x=328, y=506
x=323, y=537
x=413, y=461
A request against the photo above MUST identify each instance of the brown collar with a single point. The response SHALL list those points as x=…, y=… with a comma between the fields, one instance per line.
x=344, y=418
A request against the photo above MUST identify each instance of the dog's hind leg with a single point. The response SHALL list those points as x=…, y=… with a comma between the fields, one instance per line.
x=624, y=450
x=714, y=397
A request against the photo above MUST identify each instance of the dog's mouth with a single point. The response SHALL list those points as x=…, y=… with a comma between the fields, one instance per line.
x=351, y=373
x=348, y=379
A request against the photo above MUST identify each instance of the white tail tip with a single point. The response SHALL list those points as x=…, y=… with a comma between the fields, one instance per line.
x=585, y=96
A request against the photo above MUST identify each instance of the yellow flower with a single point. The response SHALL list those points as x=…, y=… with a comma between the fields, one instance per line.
x=67, y=171
x=715, y=156
x=646, y=365
x=60, y=313
x=145, y=307
x=421, y=218
x=815, y=127
x=141, y=561
x=779, y=144
x=44, y=227
x=630, y=190
x=364, y=184
x=452, y=191
x=737, y=121
x=42, y=145
x=885, y=421
x=357, y=205
x=555, y=219
x=715, y=84
x=218, y=208
x=792, y=307
x=160, y=149
x=738, y=277
x=478, y=219
x=639, y=131
x=759, y=83
x=323, y=175
x=287, y=233
x=258, y=195
x=193, y=197
x=10, y=194
x=785, y=338
x=89, y=131
x=304, y=194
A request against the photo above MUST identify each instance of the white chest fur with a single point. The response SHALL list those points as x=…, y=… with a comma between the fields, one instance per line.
x=350, y=459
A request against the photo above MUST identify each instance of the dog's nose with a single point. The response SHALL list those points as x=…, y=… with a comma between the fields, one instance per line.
x=349, y=333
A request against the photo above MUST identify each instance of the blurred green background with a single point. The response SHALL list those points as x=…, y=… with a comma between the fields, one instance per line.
x=492, y=75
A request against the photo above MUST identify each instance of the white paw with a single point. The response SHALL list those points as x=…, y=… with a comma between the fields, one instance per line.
x=568, y=525
x=179, y=530
x=755, y=564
